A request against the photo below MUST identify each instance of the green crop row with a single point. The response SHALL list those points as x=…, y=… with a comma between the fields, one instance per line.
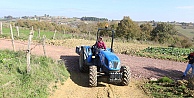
x=171, y=53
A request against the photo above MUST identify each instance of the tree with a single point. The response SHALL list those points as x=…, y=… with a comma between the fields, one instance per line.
x=103, y=32
x=146, y=29
x=20, y=23
x=128, y=29
x=163, y=32
x=113, y=25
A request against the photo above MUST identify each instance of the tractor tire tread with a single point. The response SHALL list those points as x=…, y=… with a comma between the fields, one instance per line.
x=93, y=76
x=126, y=75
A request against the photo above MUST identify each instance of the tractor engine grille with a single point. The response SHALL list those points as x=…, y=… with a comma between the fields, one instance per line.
x=115, y=77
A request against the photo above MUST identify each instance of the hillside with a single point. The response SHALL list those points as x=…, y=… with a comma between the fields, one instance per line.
x=186, y=32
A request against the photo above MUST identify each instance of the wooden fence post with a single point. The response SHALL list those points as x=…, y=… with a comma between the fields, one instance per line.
x=54, y=34
x=29, y=51
x=11, y=32
x=39, y=32
x=17, y=28
x=89, y=35
x=32, y=30
x=1, y=28
x=43, y=44
x=64, y=31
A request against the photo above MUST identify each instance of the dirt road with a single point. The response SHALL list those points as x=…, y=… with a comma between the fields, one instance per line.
x=76, y=85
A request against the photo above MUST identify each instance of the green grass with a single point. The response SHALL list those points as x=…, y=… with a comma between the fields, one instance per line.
x=24, y=33
x=16, y=83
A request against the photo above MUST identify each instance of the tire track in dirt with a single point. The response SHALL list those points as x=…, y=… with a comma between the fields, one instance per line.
x=77, y=85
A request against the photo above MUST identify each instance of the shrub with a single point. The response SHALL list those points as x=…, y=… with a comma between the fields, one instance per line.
x=165, y=80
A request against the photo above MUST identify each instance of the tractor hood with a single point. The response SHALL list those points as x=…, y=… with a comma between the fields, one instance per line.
x=110, y=59
x=110, y=56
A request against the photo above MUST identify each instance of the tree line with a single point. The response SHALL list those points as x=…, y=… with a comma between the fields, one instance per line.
x=163, y=33
x=93, y=19
x=44, y=25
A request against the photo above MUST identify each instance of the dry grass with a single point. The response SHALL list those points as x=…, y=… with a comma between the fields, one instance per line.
x=119, y=47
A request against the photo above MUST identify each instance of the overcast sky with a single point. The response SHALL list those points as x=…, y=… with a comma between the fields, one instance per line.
x=137, y=10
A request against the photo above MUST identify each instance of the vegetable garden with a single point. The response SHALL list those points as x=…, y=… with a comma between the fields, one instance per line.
x=171, y=53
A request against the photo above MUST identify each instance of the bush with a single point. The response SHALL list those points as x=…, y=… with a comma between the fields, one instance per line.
x=165, y=80
x=186, y=43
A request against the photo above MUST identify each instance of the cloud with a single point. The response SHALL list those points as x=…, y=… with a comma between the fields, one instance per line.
x=185, y=7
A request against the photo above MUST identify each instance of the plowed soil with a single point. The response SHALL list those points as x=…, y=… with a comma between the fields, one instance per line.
x=77, y=85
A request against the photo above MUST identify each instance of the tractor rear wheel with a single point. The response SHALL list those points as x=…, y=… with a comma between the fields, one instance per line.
x=93, y=76
x=82, y=66
x=126, y=75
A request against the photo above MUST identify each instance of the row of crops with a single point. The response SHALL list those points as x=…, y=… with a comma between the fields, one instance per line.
x=171, y=53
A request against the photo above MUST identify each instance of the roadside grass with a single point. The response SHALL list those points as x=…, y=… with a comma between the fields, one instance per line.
x=16, y=83
x=118, y=47
x=168, y=88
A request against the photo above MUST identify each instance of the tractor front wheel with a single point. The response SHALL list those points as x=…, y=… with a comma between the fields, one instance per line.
x=93, y=76
x=126, y=75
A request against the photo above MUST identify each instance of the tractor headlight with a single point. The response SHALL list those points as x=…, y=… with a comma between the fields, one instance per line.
x=119, y=65
x=111, y=65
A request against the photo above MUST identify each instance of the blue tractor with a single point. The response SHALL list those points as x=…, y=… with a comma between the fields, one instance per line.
x=100, y=62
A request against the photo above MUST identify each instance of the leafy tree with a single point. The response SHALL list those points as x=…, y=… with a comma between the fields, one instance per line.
x=44, y=25
x=146, y=29
x=163, y=32
x=183, y=42
x=128, y=29
x=83, y=27
x=104, y=32
x=113, y=25
x=20, y=23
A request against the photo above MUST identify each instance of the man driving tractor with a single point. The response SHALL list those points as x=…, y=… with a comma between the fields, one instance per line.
x=100, y=44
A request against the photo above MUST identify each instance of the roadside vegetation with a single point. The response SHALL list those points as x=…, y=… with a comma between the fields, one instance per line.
x=168, y=53
x=24, y=33
x=168, y=88
x=16, y=83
